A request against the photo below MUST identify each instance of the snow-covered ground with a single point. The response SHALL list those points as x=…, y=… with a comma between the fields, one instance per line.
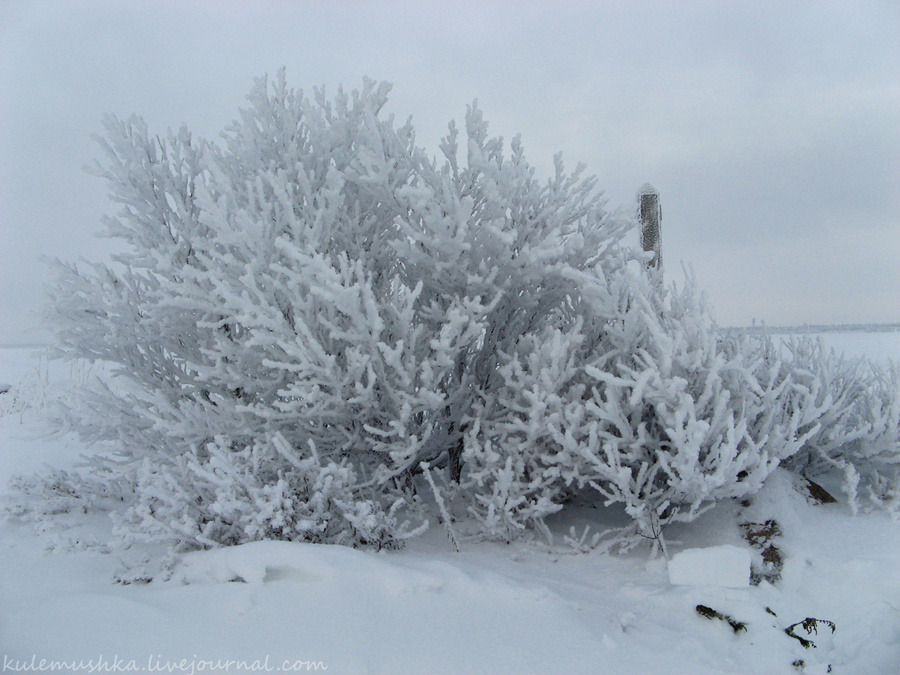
x=491, y=608
x=878, y=345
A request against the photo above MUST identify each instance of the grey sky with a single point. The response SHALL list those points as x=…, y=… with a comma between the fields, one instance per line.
x=771, y=129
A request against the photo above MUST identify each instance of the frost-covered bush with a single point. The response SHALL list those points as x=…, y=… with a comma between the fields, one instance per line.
x=320, y=281
x=653, y=411
x=661, y=413
x=308, y=314
x=853, y=406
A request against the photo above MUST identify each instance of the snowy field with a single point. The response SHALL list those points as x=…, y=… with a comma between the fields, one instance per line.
x=517, y=609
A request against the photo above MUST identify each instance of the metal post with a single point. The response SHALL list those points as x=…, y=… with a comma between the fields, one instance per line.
x=650, y=214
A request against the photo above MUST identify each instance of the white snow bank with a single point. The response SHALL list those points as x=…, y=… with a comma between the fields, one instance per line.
x=268, y=561
x=355, y=612
x=727, y=566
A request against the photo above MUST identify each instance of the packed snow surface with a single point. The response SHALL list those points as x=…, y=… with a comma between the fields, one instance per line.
x=727, y=566
x=491, y=608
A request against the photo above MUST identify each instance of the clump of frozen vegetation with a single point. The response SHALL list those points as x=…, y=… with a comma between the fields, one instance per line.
x=852, y=410
x=310, y=314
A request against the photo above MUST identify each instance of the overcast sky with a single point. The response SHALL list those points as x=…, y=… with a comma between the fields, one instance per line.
x=771, y=129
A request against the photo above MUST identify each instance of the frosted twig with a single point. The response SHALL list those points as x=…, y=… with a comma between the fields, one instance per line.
x=445, y=515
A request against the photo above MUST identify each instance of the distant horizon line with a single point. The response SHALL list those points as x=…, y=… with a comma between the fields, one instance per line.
x=816, y=328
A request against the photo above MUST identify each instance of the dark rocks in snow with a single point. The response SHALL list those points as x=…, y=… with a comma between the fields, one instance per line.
x=815, y=493
x=760, y=536
x=710, y=613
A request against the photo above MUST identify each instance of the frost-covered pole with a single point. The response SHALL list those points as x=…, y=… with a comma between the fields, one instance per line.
x=650, y=214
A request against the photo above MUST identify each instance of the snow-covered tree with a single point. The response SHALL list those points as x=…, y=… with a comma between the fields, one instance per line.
x=306, y=315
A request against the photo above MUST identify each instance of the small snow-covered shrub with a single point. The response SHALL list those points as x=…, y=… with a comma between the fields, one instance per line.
x=853, y=406
x=652, y=410
x=307, y=317
x=658, y=411
x=677, y=420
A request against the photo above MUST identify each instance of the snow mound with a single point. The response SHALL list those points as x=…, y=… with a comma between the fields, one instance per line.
x=727, y=566
x=268, y=561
